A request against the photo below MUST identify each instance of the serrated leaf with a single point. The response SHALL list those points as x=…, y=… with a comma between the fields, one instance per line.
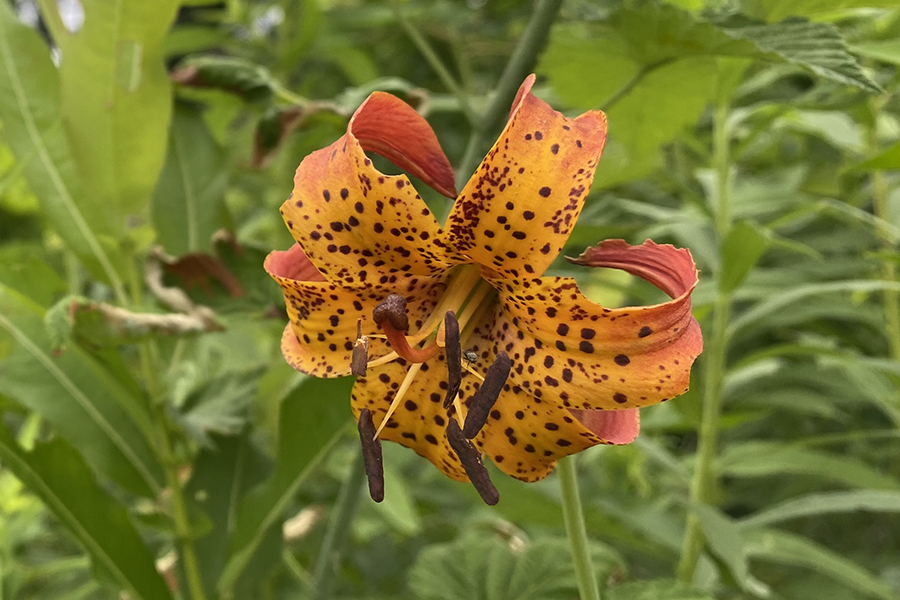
x=819, y=47
x=75, y=393
x=885, y=50
x=826, y=503
x=742, y=247
x=220, y=406
x=238, y=76
x=485, y=567
x=312, y=419
x=56, y=473
x=786, y=548
x=30, y=109
x=189, y=200
x=116, y=99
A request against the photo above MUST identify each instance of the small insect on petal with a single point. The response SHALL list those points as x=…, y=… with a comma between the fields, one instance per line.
x=359, y=359
x=454, y=361
x=486, y=395
x=471, y=461
x=372, y=459
x=392, y=309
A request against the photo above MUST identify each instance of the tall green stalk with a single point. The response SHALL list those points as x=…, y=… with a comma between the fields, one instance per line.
x=573, y=516
x=704, y=481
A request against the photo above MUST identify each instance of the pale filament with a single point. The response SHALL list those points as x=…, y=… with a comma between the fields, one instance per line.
x=407, y=381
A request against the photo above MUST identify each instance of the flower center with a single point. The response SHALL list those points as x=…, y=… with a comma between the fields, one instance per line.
x=465, y=296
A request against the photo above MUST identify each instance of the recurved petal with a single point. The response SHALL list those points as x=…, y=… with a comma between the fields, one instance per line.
x=356, y=224
x=323, y=316
x=569, y=350
x=516, y=212
x=420, y=421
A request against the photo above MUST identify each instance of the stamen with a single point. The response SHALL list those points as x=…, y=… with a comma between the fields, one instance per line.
x=485, y=396
x=359, y=359
x=470, y=458
x=372, y=459
x=390, y=315
x=454, y=361
x=407, y=381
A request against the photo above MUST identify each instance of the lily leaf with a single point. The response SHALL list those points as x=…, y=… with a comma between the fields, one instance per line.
x=56, y=473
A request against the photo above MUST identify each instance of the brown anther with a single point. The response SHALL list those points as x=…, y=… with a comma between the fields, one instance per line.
x=485, y=396
x=454, y=358
x=392, y=310
x=470, y=458
x=359, y=359
x=371, y=447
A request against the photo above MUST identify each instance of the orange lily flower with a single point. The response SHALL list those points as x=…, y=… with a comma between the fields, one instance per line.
x=373, y=275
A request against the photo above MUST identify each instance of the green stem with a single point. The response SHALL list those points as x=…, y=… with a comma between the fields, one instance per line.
x=576, y=531
x=516, y=70
x=329, y=557
x=704, y=481
x=888, y=267
x=435, y=63
x=164, y=445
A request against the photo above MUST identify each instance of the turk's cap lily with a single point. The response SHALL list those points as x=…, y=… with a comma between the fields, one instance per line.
x=577, y=372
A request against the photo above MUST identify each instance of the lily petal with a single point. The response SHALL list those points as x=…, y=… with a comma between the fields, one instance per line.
x=356, y=224
x=420, y=421
x=525, y=436
x=516, y=212
x=323, y=317
x=569, y=350
x=615, y=426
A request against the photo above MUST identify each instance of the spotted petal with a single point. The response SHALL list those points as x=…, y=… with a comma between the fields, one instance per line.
x=323, y=316
x=358, y=225
x=516, y=212
x=420, y=420
x=567, y=349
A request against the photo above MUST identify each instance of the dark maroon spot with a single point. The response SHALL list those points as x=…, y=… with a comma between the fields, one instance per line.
x=548, y=361
x=567, y=375
x=359, y=207
x=337, y=226
x=554, y=148
x=545, y=249
x=326, y=195
x=431, y=439
x=519, y=235
x=620, y=397
x=587, y=333
x=538, y=135
x=544, y=191
x=528, y=215
x=410, y=405
x=622, y=360
x=563, y=329
x=563, y=442
x=519, y=415
x=644, y=332
x=586, y=347
x=527, y=136
x=344, y=193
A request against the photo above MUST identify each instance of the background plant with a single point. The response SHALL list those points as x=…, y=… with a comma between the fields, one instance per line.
x=153, y=441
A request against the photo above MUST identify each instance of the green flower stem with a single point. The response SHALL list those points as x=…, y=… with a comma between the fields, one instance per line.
x=329, y=557
x=518, y=67
x=435, y=63
x=164, y=446
x=704, y=480
x=576, y=531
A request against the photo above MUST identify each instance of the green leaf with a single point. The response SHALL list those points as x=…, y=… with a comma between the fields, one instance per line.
x=664, y=589
x=29, y=109
x=885, y=50
x=57, y=474
x=826, y=503
x=485, y=567
x=789, y=549
x=313, y=417
x=724, y=539
x=818, y=47
x=778, y=9
x=117, y=100
x=743, y=246
x=220, y=406
x=885, y=161
x=74, y=392
x=401, y=511
x=250, y=81
x=189, y=201
x=764, y=459
x=221, y=475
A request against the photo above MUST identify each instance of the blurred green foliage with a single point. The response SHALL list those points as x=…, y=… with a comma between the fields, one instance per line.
x=145, y=149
